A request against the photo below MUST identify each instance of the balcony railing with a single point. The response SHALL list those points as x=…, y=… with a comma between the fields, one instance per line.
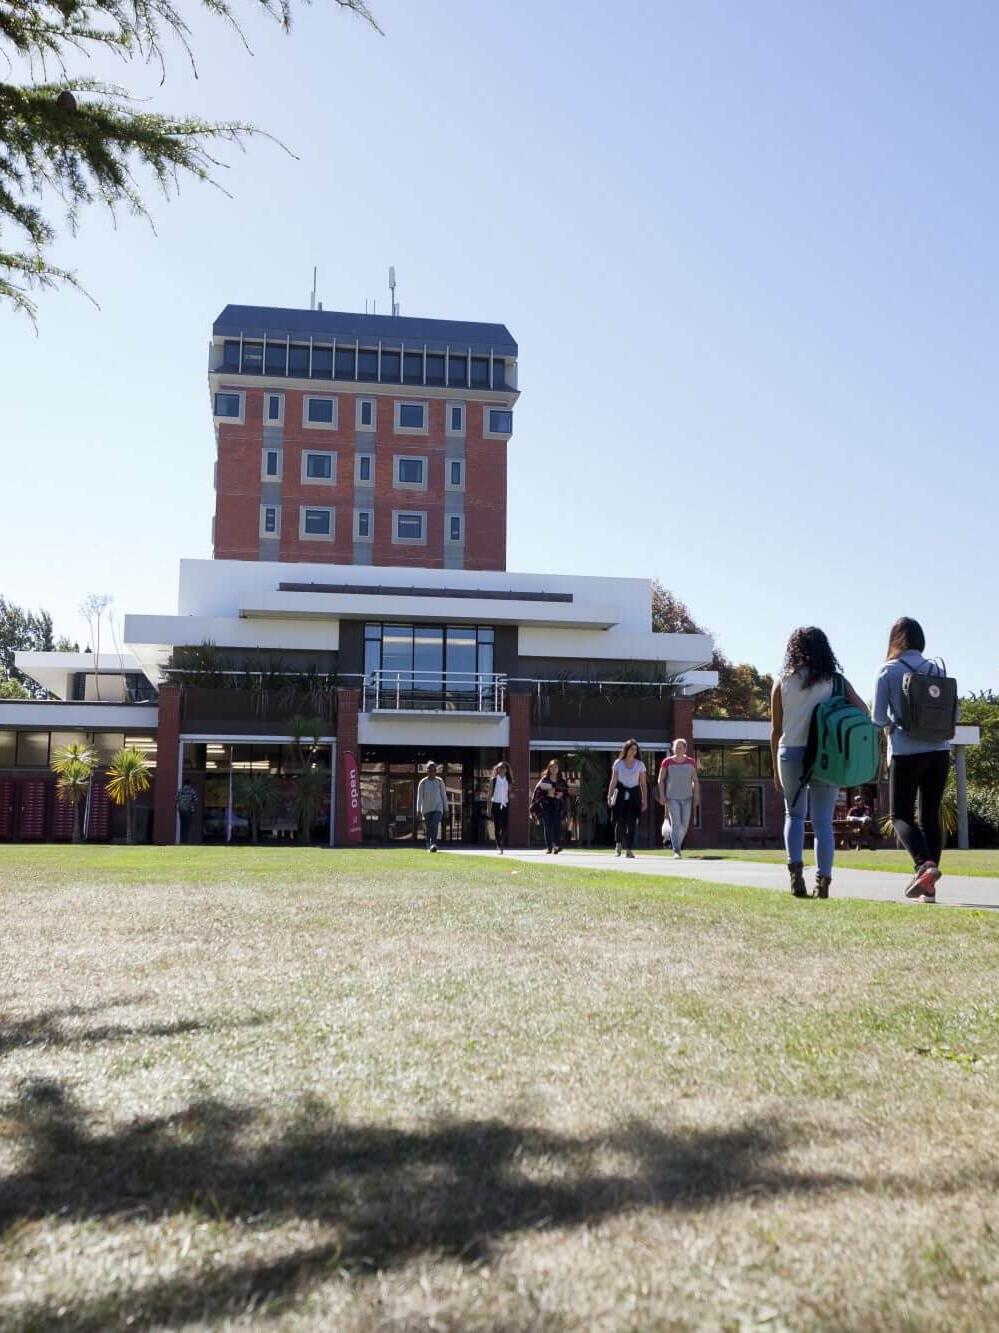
x=434, y=692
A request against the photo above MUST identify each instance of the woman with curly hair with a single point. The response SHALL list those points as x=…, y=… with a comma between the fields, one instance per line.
x=808, y=677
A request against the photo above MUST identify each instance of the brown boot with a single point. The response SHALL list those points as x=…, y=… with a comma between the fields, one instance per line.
x=822, y=885
x=796, y=870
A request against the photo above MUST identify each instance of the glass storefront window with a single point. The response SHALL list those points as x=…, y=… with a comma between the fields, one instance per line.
x=742, y=807
x=8, y=748
x=32, y=749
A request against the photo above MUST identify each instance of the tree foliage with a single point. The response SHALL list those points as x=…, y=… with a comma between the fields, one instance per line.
x=982, y=710
x=22, y=631
x=742, y=690
x=68, y=138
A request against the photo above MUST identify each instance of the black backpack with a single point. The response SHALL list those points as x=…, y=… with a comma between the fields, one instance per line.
x=929, y=703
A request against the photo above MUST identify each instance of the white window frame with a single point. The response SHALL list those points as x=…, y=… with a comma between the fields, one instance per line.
x=271, y=476
x=412, y=430
x=318, y=481
x=397, y=481
x=277, y=522
x=370, y=536
x=304, y=536
x=279, y=419
x=460, y=539
x=358, y=481
x=488, y=434
x=231, y=393
x=307, y=398
x=448, y=428
x=450, y=485
x=374, y=414
x=409, y=513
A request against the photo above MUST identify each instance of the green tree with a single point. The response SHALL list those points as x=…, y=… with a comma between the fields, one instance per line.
x=13, y=689
x=257, y=794
x=982, y=710
x=22, y=631
x=128, y=777
x=74, y=766
x=82, y=140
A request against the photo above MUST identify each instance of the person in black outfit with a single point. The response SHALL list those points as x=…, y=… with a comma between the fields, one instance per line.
x=549, y=800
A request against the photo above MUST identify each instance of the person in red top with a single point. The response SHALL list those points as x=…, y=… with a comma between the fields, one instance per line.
x=678, y=789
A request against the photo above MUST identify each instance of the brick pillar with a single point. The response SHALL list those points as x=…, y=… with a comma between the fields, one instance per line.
x=348, y=701
x=683, y=722
x=519, y=758
x=167, y=756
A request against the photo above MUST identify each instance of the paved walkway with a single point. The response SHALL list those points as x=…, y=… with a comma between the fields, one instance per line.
x=877, y=885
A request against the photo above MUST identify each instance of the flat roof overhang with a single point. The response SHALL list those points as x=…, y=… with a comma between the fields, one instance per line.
x=421, y=606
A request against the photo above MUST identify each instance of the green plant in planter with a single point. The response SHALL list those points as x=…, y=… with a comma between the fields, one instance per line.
x=74, y=766
x=257, y=793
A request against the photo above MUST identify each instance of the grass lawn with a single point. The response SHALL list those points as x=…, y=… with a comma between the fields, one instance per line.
x=953, y=862
x=363, y=1091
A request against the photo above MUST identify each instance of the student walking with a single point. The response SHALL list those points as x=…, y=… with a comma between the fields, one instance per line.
x=678, y=789
x=548, y=801
x=432, y=804
x=500, y=786
x=918, y=765
x=627, y=796
x=809, y=676
x=187, y=803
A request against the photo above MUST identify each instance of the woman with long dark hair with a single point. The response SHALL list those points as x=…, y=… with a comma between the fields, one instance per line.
x=916, y=769
x=548, y=799
x=809, y=676
x=628, y=796
x=500, y=788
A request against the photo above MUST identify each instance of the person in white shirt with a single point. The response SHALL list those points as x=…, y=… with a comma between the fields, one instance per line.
x=432, y=804
x=500, y=786
x=628, y=796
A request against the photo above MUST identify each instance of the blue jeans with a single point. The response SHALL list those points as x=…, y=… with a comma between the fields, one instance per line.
x=820, y=800
x=679, y=820
x=432, y=820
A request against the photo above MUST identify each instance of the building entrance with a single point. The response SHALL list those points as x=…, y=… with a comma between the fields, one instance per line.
x=390, y=777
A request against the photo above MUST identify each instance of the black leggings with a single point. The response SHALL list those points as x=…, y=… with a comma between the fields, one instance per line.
x=551, y=823
x=627, y=811
x=924, y=775
x=501, y=821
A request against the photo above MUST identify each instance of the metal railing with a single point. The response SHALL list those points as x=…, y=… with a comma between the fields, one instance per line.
x=434, y=692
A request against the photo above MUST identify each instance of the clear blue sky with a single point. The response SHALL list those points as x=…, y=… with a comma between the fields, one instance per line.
x=748, y=251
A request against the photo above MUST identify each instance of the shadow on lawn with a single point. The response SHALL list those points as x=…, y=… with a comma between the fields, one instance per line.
x=388, y=1194
x=46, y=1029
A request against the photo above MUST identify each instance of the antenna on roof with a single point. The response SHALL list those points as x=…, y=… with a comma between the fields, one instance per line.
x=312, y=298
x=393, y=307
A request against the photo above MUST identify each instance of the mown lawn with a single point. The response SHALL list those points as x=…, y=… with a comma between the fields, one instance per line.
x=356, y=1091
x=983, y=862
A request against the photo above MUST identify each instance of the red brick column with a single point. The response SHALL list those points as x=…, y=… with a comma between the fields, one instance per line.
x=348, y=701
x=683, y=722
x=519, y=757
x=167, y=757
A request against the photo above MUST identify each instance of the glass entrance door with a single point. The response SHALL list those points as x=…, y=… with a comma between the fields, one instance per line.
x=401, y=809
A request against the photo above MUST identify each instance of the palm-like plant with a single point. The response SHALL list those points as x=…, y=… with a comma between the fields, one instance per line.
x=128, y=777
x=74, y=766
x=257, y=794
x=311, y=788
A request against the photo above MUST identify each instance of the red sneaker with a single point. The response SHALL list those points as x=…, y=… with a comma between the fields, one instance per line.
x=924, y=882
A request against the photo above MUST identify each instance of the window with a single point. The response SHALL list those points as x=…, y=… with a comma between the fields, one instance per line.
x=455, y=477
x=270, y=469
x=420, y=652
x=409, y=527
x=411, y=417
x=253, y=358
x=229, y=405
x=455, y=528
x=499, y=373
x=270, y=521
x=435, y=367
x=274, y=408
x=457, y=370
x=32, y=749
x=346, y=363
x=364, y=469
x=735, y=762
x=500, y=421
x=480, y=372
x=367, y=363
x=410, y=472
x=364, y=525
x=230, y=355
x=412, y=368
x=318, y=467
x=455, y=420
x=365, y=417
x=742, y=807
x=298, y=359
x=319, y=412
x=391, y=366
x=322, y=363
x=276, y=359
x=315, y=524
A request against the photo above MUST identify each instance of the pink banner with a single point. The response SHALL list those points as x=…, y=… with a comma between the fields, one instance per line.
x=352, y=797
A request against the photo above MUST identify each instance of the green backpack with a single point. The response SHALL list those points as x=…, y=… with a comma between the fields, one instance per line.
x=844, y=745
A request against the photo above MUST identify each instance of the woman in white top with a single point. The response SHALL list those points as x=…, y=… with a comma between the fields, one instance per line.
x=630, y=782
x=500, y=784
x=808, y=678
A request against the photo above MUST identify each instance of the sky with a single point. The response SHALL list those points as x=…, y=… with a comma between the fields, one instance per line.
x=747, y=250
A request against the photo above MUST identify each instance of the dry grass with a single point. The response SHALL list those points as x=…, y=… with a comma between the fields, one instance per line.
x=388, y=1091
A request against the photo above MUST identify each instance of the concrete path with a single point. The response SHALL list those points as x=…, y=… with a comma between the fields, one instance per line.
x=877, y=885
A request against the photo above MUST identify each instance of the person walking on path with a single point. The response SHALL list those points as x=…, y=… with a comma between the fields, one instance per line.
x=187, y=803
x=628, y=796
x=432, y=804
x=548, y=800
x=678, y=790
x=915, y=768
x=808, y=677
x=500, y=787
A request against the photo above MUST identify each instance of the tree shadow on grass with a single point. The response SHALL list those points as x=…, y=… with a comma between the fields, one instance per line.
x=387, y=1194
x=46, y=1029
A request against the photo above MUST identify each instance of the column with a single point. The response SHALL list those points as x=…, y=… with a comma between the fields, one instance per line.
x=961, y=775
x=683, y=721
x=519, y=758
x=167, y=766
x=348, y=702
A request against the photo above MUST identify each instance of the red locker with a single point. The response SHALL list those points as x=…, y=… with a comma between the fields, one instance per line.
x=62, y=818
x=99, y=826
x=6, y=807
x=31, y=809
